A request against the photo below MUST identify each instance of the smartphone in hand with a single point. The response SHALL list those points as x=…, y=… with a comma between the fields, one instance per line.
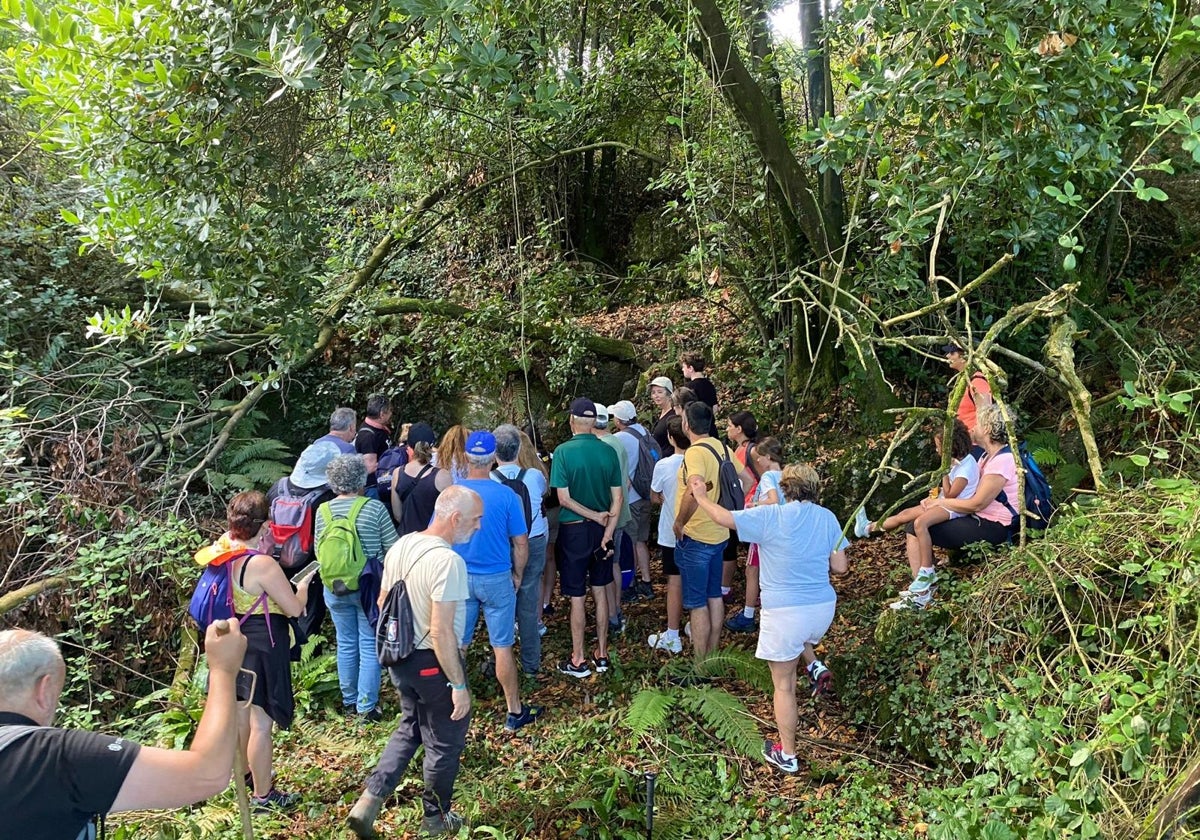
x=306, y=573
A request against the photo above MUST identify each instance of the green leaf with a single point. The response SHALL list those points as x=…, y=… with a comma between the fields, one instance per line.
x=1080, y=756
x=1069, y=262
x=67, y=216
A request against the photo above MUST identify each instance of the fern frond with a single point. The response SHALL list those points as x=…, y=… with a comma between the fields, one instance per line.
x=255, y=449
x=649, y=710
x=727, y=716
x=741, y=664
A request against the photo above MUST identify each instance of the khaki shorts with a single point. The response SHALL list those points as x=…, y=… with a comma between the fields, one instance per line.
x=638, y=526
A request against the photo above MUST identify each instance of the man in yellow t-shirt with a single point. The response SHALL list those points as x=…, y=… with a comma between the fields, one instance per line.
x=700, y=546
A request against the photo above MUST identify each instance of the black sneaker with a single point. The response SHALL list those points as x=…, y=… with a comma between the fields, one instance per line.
x=373, y=716
x=572, y=670
x=601, y=664
x=645, y=590
x=275, y=800
x=631, y=595
x=527, y=716
x=437, y=825
x=548, y=609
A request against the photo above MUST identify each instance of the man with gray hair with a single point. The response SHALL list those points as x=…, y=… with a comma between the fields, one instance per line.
x=435, y=704
x=508, y=446
x=55, y=782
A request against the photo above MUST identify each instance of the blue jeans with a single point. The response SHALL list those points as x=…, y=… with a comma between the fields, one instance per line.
x=528, y=597
x=357, y=662
x=495, y=595
x=700, y=566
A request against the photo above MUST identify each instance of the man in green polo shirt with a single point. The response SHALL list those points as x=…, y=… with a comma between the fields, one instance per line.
x=587, y=476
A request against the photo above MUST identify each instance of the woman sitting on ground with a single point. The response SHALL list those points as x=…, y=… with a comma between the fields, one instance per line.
x=357, y=663
x=800, y=543
x=418, y=485
x=985, y=517
x=960, y=483
x=767, y=458
x=268, y=642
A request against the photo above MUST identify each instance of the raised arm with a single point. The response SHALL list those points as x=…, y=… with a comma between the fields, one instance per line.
x=174, y=778
x=699, y=499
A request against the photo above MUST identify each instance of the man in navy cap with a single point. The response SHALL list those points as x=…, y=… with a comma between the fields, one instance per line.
x=586, y=475
x=495, y=558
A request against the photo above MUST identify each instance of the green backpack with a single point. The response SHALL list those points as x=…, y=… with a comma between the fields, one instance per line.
x=339, y=550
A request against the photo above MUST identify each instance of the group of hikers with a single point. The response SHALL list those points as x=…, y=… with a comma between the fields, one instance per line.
x=486, y=523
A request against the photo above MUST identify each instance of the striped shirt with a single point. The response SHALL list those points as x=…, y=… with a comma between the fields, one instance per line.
x=374, y=525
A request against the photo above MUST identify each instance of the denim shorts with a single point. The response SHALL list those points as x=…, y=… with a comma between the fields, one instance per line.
x=497, y=598
x=700, y=567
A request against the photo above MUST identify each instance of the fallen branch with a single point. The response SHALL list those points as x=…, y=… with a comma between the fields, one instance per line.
x=17, y=597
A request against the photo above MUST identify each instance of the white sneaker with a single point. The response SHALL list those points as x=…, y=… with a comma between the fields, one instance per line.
x=862, y=524
x=912, y=601
x=923, y=583
x=660, y=641
x=687, y=629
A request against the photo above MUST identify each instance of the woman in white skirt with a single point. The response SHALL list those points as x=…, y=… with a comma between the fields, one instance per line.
x=799, y=544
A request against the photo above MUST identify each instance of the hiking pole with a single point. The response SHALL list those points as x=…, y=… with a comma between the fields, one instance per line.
x=650, y=777
x=239, y=760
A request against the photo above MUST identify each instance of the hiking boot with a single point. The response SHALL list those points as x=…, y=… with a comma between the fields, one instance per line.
x=820, y=679
x=644, y=589
x=373, y=716
x=363, y=815
x=660, y=641
x=909, y=601
x=275, y=800
x=439, y=825
x=773, y=753
x=924, y=582
x=601, y=664
x=741, y=623
x=527, y=716
x=572, y=670
x=862, y=525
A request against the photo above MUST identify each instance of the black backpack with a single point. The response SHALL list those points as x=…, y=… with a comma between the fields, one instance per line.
x=517, y=485
x=733, y=497
x=394, y=634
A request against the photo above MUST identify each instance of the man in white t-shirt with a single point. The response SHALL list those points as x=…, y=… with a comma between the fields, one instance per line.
x=663, y=489
x=435, y=703
x=630, y=432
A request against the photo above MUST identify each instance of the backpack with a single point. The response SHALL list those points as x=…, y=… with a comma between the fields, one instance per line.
x=212, y=599
x=647, y=457
x=733, y=497
x=391, y=459
x=1039, y=505
x=518, y=486
x=394, y=633
x=289, y=539
x=339, y=550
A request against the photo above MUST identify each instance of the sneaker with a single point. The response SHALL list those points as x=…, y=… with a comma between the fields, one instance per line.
x=923, y=583
x=773, y=753
x=645, y=590
x=527, y=716
x=437, y=825
x=547, y=609
x=741, y=623
x=541, y=628
x=617, y=626
x=909, y=601
x=862, y=525
x=572, y=670
x=373, y=716
x=275, y=800
x=631, y=595
x=601, y=664
x=687, y=629
x=660, y=641
x=820, y=679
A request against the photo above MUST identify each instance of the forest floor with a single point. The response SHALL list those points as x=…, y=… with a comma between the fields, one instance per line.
x=578, y=772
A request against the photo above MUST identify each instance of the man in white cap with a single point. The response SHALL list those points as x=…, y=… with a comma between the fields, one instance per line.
x=631, y=433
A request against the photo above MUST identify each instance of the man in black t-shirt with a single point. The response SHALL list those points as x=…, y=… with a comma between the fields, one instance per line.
x=374, y=437
x=692, y=364
x=55, y=782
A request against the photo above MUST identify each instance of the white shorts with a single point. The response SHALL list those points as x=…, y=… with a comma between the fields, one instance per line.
x=783, y=631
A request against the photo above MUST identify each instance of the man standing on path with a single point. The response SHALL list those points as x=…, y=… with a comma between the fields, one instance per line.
x=53, y=782
x=700, y=542
x=496, y=558
x=586, y=475
x=373, y=439
x=616, y=620
x=692, y=365
x=341, y=430
x=435, y=704
x=630, y=433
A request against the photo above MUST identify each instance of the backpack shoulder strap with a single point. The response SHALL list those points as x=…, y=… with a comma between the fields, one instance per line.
x=326, y=514
x=357, y=506
x=521, y=474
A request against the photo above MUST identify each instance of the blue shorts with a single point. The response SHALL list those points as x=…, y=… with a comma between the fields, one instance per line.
x=700, y=566
x=497, y=597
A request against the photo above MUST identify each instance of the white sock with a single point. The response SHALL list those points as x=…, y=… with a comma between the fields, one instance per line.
x=724, y=591
x=748, y=612
x=671, y=635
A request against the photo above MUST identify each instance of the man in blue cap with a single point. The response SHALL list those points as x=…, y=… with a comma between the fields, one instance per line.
x=495, y=558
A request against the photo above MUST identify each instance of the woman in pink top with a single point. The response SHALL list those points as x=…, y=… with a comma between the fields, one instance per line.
x=987, y=516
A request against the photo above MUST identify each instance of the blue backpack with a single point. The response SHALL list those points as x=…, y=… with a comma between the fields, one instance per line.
x=213, y=598
x=1039, y=504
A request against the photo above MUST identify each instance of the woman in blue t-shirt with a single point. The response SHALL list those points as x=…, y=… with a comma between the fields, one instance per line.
x=800, y=543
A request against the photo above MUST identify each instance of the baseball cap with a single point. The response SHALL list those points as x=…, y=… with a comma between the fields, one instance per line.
x=583, y=407
x=663, y=382
x=481, y=443
x=623, y=411
x=421, y=433
x=601, y=415
x=947, y=349
x=310, y=467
